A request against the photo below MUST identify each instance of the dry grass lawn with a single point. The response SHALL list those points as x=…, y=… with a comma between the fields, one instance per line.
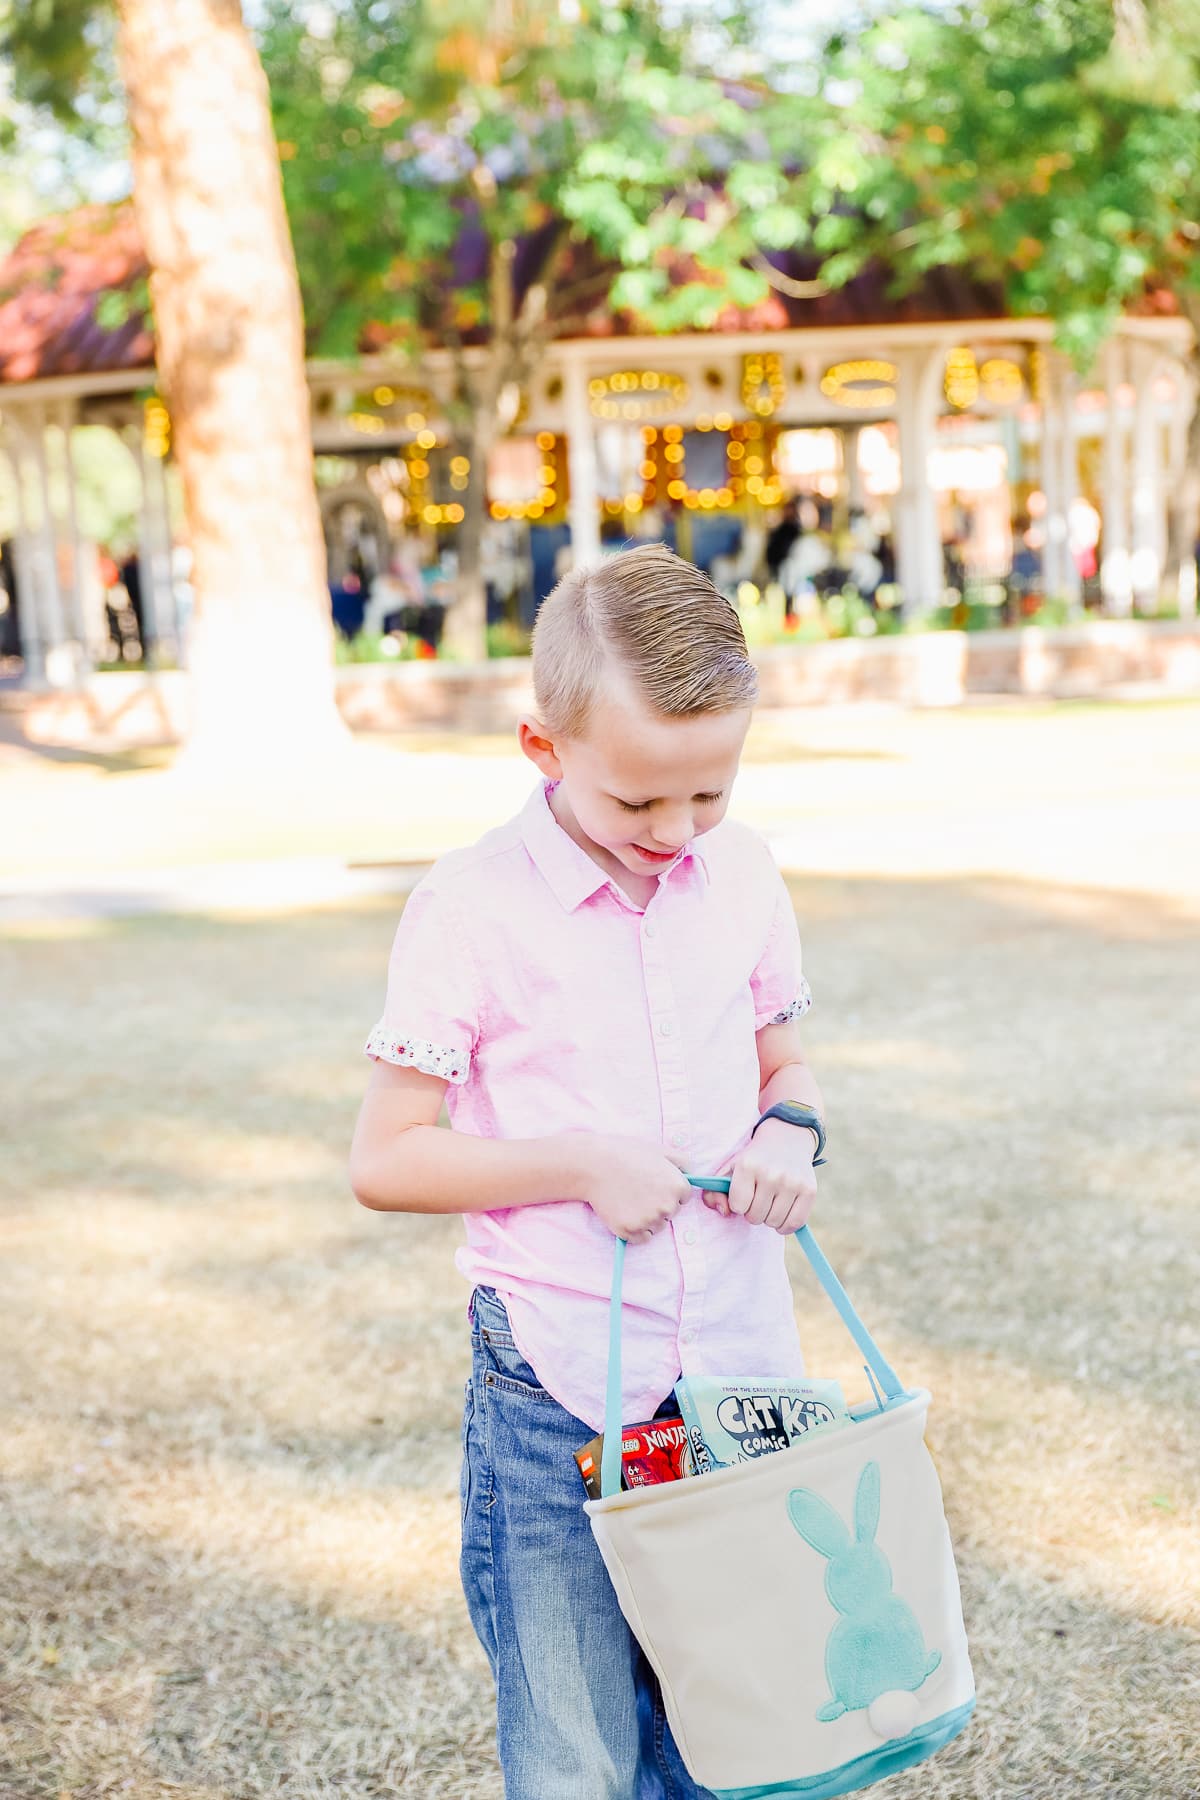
x=230, y=1402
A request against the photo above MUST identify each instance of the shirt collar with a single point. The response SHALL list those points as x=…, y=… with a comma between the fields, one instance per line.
x=572, y=875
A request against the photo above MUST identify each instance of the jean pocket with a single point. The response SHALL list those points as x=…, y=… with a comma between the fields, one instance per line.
x=504, y=1367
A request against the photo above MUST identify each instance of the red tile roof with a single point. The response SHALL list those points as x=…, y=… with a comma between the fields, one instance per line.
x=51, y=288
x=55, y=281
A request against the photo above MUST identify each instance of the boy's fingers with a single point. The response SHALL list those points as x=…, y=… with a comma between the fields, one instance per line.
x=764, y=1200
x=777, y=1212
x=741, y=1190
x=797, y=1214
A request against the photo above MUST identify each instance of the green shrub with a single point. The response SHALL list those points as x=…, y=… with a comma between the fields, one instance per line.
x=507, y=638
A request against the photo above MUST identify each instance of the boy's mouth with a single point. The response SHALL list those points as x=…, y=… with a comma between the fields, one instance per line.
x=656, y=856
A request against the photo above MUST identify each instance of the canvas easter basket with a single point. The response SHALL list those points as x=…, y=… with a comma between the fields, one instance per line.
x=801, y=1611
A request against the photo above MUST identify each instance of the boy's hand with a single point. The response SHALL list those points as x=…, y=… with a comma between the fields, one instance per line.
x=772, y=1182
x=633, y=1186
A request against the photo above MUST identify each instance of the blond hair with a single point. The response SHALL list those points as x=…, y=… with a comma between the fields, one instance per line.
x=655, y=616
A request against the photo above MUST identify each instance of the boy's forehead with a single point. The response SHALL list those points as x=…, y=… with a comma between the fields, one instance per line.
x=632, y=744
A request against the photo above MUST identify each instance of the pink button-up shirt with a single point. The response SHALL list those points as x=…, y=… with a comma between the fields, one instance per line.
x=530, y=982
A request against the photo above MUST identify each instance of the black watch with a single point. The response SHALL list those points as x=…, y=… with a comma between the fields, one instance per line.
x=794, y=1112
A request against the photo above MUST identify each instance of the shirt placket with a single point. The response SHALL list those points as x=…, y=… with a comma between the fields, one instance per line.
x=675, y=1102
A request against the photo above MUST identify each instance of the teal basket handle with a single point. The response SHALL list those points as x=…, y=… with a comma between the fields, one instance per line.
x=880, y=1367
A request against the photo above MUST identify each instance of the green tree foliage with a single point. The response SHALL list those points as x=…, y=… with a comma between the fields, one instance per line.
x=405, y=123
x=62, y=58
x=475, y=174
x=1052, y=145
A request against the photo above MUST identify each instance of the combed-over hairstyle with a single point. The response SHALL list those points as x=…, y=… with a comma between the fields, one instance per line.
x=655, y=616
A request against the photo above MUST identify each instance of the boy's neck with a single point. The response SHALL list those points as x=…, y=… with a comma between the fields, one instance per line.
x=641, y=889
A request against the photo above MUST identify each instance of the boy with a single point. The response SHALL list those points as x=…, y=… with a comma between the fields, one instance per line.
x=607, y=990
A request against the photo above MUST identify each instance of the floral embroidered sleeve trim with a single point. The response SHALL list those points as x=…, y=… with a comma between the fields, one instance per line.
x=418, y=1053
x=798, y=1007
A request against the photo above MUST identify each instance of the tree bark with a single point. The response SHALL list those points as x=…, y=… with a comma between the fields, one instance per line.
x=230, y=348
x=466, y=625
x=479, y=415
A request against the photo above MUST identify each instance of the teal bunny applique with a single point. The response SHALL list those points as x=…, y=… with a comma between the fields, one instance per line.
x=875, y=1658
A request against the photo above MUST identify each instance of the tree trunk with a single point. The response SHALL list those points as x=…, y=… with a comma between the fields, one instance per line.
x=230, y=349
x=466, y=626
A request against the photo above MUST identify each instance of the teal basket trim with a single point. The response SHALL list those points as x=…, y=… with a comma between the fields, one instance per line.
x=889, y=1759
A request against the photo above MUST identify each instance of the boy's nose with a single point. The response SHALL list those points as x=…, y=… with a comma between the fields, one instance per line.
x=673, y=832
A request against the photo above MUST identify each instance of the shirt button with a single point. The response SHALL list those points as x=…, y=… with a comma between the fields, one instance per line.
x=649, y=928
x=665, y=1027
x=688, y=1336
x=689, y=1236
x=678, y=1139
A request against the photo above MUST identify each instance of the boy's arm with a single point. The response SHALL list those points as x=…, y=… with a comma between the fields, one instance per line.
x=773, y=1182
x=400, y=1161
x=784, y=1074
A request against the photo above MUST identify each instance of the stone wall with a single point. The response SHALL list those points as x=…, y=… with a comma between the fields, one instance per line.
x=939, y=668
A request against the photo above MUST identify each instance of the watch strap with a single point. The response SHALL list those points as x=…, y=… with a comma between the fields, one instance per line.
x=793, y=1112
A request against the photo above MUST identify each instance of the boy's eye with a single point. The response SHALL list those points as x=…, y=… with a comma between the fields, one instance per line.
x=644, y=805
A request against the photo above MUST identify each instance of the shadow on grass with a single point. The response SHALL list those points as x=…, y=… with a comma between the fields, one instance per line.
x=136, y=759
x=224, y=1683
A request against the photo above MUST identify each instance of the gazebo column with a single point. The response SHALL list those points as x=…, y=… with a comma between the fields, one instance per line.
x=918, y=541
x=156, y=535
x=1072, y=582
x=855, y=492
x=1115, y=577
x=1060, y=479
x=43, y=628
x=1148, y=502
x=1185, y=402
x=75, y=594
x=581, y=462
x=53, y=609
x=32, y=650
x=1051, y=477
x=154, y=545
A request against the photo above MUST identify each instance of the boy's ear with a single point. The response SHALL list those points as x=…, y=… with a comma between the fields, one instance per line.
x=538, y=746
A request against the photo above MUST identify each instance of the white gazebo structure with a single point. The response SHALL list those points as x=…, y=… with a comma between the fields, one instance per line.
x=905, y=407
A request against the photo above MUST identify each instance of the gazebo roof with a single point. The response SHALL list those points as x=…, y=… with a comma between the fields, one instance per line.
x=53, y=286
x=56, y=284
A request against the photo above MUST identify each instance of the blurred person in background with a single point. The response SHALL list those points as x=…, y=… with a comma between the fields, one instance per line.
x=10, y=618
x=781, y=541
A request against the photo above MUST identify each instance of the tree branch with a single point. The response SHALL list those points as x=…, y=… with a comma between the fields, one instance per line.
x=786, y=284
x=463, y=385
x=536, y=299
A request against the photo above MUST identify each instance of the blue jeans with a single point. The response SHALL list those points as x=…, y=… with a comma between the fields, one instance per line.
x=579, y=1711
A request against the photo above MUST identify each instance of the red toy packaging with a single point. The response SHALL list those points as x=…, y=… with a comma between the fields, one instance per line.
x=654, y=1451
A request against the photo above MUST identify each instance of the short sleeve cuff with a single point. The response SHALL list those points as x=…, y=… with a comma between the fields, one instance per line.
x=409, y=1052
x=795, y=1009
